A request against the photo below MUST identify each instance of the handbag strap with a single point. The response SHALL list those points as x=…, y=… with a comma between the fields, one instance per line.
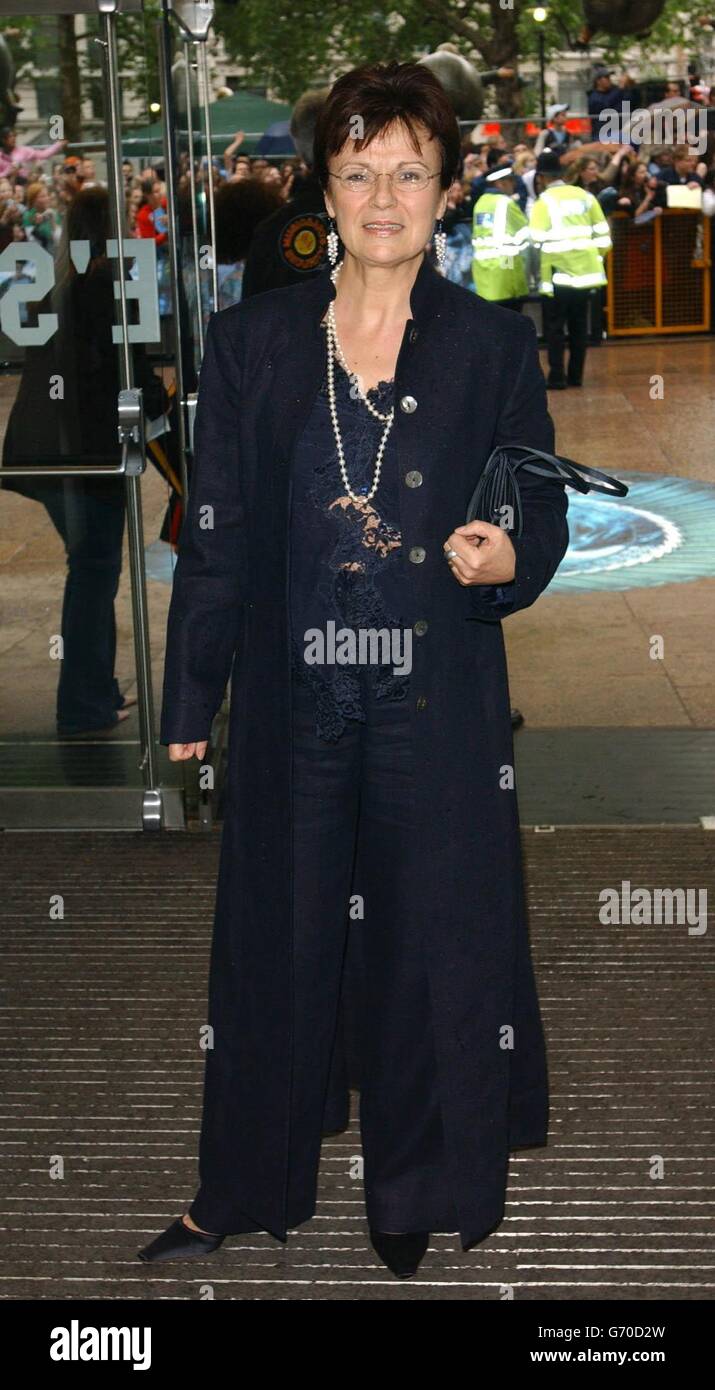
x=578, y=475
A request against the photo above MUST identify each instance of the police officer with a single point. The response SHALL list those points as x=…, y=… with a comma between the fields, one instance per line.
x=572, y=235
x=500, y=243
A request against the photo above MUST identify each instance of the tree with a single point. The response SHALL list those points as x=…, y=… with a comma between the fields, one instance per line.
x=51, y=43
x=70, y=85
x=289, y=49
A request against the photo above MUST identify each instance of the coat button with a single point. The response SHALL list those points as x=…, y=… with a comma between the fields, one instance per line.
x=421, y=701
x=417, y=554
x=413, y=478
x=413, y=335
x=421, y=627
x=408, y=404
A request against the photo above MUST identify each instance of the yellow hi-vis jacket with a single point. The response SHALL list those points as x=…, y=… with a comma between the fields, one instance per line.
x=569, y=229
x=500, y=240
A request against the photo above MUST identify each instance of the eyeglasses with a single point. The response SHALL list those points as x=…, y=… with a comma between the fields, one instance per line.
x=409, y=179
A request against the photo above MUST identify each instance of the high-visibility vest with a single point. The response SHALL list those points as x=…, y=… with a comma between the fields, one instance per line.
x=568, y=226
x=500, y=240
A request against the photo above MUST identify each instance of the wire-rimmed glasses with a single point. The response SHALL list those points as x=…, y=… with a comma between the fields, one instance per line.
x=409, y=178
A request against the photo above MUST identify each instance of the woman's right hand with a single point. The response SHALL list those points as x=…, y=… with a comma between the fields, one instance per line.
x=179, y=752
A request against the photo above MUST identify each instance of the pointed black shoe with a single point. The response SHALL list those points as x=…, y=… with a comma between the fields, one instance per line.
x=179, y=1242
x=401, y=1253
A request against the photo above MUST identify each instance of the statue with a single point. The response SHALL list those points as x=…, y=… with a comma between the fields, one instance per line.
x=619, y=17
x=462, y=82
x=8, y=97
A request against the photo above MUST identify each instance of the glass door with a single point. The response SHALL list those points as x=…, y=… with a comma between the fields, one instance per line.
x=98, y=364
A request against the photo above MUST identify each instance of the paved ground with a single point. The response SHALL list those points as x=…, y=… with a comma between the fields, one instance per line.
x=101, y=1083
x=576, y=660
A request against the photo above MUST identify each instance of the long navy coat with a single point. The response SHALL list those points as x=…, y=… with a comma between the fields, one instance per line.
x=474, y=372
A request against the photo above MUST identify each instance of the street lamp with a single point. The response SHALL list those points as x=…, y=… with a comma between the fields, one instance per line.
x=540, y=16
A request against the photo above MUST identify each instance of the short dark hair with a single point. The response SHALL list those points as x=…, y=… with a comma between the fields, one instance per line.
x=381, y=93
x=240, y=206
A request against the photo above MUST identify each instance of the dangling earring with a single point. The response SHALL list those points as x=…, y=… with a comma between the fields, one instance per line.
x=440, y=245
x=332, y=242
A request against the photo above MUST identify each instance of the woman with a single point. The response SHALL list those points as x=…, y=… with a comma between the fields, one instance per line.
x=79, y=426
x=639, y=194
x=328, y=493
x=240, y=205
x=585, y=173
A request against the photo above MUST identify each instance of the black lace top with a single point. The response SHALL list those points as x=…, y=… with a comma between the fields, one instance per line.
x=346, y=561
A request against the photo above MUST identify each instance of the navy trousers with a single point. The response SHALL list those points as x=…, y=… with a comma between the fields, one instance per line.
x=353, y=818
x=92, y=528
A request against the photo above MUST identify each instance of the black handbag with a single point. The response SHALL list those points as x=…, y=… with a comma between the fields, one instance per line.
x=498, y=486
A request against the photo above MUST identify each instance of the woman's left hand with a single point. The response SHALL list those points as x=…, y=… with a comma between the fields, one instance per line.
x=485, y=554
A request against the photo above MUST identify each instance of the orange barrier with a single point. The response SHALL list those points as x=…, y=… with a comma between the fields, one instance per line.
x=659, y=274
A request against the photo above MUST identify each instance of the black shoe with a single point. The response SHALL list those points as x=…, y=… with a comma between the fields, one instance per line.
x=179, y=1242
x=574, y=383
x=401, y=1253
x=557, y=385
x=517, y=718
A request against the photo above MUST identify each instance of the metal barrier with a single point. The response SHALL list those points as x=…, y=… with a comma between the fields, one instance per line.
x=659, y=274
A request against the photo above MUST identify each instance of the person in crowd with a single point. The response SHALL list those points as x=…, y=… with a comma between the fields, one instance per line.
x=272, y=175
x=498, y=158
x=11, y=215
x=500, y=243
x=460, y=203
x=288, y=172
x=457, y=225
x=80, y=427
x=604, y=97
x=525, y=171
x=70, y=181
x=230, y=152
x=151, y=221
x=638, y=193
x=572, y=235
x=291, y=244
x=683, y=169
x=242, y=167
x=599, y=178
x=40, y=218
x=325, y=449
x=135, y=199
x=16, y=158
x=630, y=90
x=88, y=171
x=585, y=172
x=151, y=215
x=241, y=205
x=672, y=91
x=555, y=136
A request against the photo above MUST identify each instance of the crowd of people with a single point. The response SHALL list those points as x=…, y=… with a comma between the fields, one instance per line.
x=36, y=187
x=555, y=196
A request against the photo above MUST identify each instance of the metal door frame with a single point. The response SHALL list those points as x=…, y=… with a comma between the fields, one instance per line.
x=194, y=20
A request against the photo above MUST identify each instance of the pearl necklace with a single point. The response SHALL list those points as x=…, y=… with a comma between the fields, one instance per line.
x=335, y=352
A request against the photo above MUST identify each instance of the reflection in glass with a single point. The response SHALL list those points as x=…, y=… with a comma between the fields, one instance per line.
x=65, y=412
